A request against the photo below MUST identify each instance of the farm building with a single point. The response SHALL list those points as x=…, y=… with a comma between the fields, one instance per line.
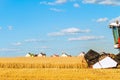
x=41, y=55
x=55, y=55
x=65, y=55
x=82, y=54
x=107, y=62
x=29, y=55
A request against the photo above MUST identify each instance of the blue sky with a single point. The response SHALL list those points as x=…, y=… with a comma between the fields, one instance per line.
x=54, y=26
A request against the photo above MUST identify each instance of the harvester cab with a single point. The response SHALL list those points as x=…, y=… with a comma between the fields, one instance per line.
x=115, y=26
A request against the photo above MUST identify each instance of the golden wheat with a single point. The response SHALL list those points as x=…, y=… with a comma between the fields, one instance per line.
x=48, y=62
x=72, y=68
x=58, y=74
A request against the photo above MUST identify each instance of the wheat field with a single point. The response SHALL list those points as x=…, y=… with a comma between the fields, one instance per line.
x=41, y=62
x=59, y=74
x=33, y=68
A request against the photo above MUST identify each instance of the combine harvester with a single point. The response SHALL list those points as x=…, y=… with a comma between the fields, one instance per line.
x=94, y=59
x=108, y=62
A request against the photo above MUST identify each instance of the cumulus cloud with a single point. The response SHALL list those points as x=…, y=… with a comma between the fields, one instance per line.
x=89, y=1
x=47, y=3
x=73, y=0
x=86, y=38
x=56, y=10
x=56, y=34
x=68, y=31
x=104, y=2
x=110, y=2
x=60, y=1
x=102, y=19
x=56, y=2
x=34, y=40
x=74, y=30
x=17, y=44
x=9, y=50
x=10, y=27
x=76, y=5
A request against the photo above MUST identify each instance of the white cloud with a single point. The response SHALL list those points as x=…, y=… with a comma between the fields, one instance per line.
x=56, y=34
x=104, y=2
x=8, y=49
x=56, y=10
x=102, y=19
x=74, y=30
x=110, y=2
x=68, y=31
x=34, y=40
x=17, y=44
x=73, y=0
x=76, y=5
x=56, y=2
x=47, y=3
x=115, y=19
x=89, y=1
x=10, y=28
x=60, y=1
x=86, y=38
